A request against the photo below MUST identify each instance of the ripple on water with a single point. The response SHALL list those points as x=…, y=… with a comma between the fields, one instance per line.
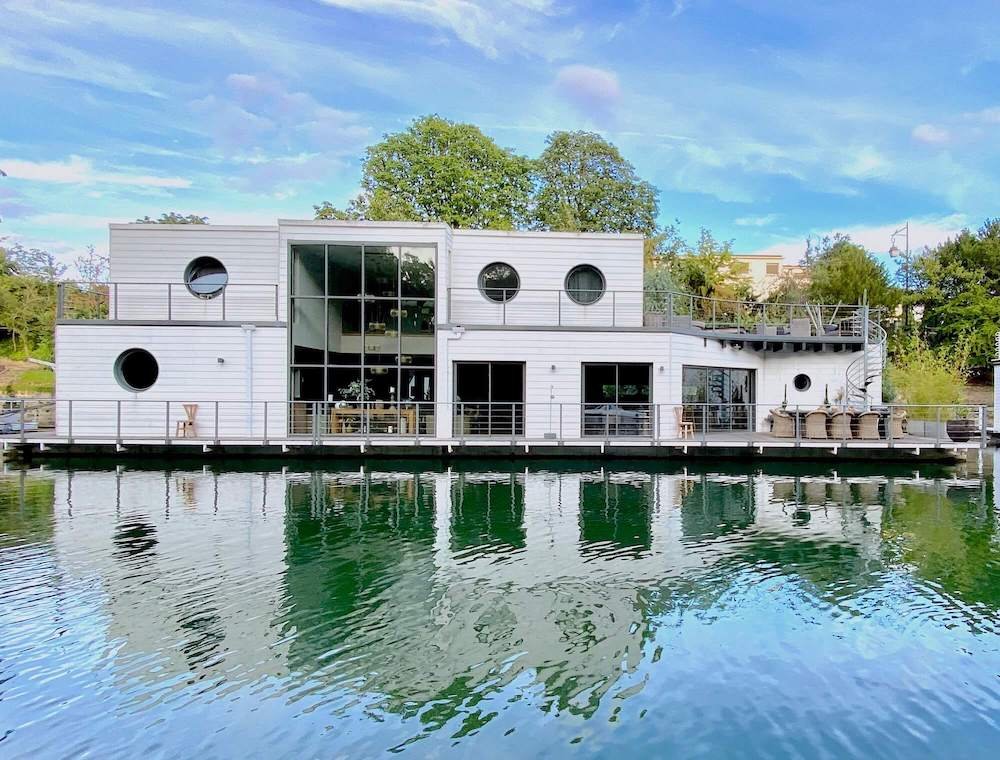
x=499, y=612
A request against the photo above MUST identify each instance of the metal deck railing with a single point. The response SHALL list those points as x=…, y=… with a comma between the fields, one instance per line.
x=165, y=301
x=315, y=422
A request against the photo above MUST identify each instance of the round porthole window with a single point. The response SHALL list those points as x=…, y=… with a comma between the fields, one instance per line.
x=802, y=382
x=206, y=277
x=585, y=284
x=499, y=282
x=136, y=369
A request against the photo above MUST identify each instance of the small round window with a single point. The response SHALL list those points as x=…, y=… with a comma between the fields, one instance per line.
x=205, y=277
x=802, y=382
x=136, y=369
x=585, y=284
x=499, y=282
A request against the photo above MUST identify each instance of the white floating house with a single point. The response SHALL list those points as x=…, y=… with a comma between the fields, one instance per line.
x=322, y=332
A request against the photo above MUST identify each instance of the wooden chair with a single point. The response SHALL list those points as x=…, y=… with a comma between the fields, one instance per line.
x=840, y=424
x=816, y=423
x=782, y=424
x=868, y=425
x=186, y=428
x=685, y=428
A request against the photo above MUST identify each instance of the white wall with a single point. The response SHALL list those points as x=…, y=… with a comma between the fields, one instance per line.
x=189, y=372
x=159, y=253
x=542, y=261
x=567, y=351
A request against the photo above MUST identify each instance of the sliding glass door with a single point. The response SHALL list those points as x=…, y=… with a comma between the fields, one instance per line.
x=489, y=398
x=719, y=398
x=616, y=399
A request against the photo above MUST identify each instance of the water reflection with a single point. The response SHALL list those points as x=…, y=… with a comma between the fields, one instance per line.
x=384, y=608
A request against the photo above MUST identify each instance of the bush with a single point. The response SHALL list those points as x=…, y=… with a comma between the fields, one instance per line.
x=921, y=375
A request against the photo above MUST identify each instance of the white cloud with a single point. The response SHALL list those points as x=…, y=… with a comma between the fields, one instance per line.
x=927, y=232
x=928, y=133
x=487, y=25
x=81, y=171
x=756, y=221
x=595, y=91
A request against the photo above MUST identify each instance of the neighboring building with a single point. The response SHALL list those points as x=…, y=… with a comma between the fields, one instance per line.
x=327, y=329
x=766, y=271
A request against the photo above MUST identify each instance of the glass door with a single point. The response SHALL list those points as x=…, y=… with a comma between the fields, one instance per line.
x=719, y=398
x=616, y=399
x=489, y=398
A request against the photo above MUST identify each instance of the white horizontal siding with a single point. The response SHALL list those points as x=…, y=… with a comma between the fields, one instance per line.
x=553, y=368
x=189, y=372
x=542, y=261
x=159, y=253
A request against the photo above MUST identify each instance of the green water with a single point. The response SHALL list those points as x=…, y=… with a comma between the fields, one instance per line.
x=498, y=610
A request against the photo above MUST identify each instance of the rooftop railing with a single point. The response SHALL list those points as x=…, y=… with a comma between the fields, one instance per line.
x=165, y=301
x=657, y=310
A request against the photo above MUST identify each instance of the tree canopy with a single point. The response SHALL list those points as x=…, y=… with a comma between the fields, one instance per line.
x=842, y=271
x=958, y=284
x=438, y=170
x=172, y=217
x=584, y=184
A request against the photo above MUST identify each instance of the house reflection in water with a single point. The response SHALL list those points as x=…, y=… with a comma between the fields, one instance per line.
x=421, y=593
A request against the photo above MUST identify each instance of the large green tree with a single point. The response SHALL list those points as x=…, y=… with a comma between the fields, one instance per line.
x=841, y=271
x=958, y=285
x=438, y=170
x=584, y=184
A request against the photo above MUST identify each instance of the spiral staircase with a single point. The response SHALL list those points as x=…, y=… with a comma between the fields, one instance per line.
x=866, y=370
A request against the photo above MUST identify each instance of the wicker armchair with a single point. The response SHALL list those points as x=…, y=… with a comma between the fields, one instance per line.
x=840, y=424
x=868, y=425
x=898, y=423
x=782, y=424
x=816, y=423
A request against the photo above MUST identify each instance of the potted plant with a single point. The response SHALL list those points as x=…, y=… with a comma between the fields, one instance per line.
x=962, y=426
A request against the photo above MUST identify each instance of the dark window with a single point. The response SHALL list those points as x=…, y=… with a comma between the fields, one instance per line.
x=585, y=284
x=718, y=398
x=616, y=399
x=136, y=369
x=205, y=277
x=343, y=270
x=490, y=398
x=499, y=282
x=802, y=382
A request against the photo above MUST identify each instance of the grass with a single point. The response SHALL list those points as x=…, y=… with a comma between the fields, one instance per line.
x=37, y=381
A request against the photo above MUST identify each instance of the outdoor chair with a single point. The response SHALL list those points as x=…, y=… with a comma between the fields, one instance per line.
x=898, y=423
x=800, y=328
x=840, y=423
x=782, y=424
x=868, y=425
x=816, y=423
x=186, y=428
x=685, y=428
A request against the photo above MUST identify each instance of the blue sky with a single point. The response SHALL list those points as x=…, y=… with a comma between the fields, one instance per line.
x=763, y=120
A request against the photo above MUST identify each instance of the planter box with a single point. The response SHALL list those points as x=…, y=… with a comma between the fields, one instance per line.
x=961, y=431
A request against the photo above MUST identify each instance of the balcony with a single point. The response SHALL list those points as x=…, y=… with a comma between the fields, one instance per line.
x=664, y=311
x=165, y=302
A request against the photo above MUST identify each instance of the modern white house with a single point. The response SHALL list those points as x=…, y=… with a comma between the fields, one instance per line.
x=331, y=332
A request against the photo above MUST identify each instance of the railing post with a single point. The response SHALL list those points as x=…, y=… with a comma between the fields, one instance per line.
x=670, y=310
x=798, y=426
x=704, y=424
x=614, y=310
x=503, y=306
x=449, y=305
x=170, y=301
x=217, y=410
x=166, y=422
x=265, y=423
x=864, y=356
x=70, y=402
x=277, y=309
x=714, y=324
x=60, y=294
x=118, y=421
x=559, y=308
x=224, y=289
x=315, y=422
x=983, y=438
x=937, y=429
x=23, y=411
x=115, y=289
x=889, y=426
x=560, y=422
